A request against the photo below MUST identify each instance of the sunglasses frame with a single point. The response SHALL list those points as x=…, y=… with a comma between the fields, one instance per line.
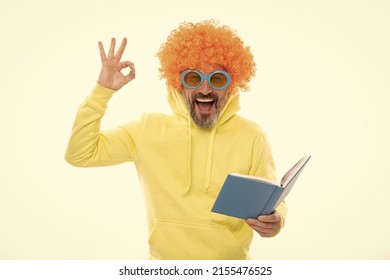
x=206, y=77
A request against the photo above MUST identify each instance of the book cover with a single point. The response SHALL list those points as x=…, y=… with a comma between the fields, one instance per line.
x=244, y=196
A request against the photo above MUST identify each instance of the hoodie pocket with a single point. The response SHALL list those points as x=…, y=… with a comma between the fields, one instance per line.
x=180, y=240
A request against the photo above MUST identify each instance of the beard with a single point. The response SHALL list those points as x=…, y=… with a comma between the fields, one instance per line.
x=205, y=114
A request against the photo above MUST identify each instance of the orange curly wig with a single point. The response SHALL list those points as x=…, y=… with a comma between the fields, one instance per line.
x=206, y=42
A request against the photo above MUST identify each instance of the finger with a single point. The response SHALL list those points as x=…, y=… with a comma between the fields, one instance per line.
x=102, y=52
x=252, y=221
x=121, y=49
x=260, y=225
x=127, y=63
x=131, y=75
x=268, y=234
x=273, y=218
x=112, y=48
x=265, y=232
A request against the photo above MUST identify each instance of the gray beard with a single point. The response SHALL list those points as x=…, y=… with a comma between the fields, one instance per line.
x=205, y=121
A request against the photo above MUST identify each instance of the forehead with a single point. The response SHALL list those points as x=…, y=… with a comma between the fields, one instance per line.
x=207, y=68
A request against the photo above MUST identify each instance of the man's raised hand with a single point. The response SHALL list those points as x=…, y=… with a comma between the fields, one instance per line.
x=111, y=75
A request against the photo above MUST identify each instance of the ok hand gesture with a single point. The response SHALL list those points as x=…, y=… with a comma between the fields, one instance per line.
x=111, y=75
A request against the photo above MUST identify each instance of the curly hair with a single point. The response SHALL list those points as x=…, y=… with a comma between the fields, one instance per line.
x=206, y=42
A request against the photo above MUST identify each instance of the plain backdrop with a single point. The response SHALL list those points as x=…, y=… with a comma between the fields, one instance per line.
x=321, y=89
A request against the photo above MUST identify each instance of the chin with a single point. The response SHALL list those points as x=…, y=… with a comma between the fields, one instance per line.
x=205, y=122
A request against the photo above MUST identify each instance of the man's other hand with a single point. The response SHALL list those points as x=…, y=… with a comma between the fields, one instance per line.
x=266, y=225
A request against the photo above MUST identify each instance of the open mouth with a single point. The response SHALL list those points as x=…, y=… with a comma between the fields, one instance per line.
x=205, y=104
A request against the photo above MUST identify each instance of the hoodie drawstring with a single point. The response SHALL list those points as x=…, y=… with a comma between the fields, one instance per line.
x=210, y=157
x=189, y=155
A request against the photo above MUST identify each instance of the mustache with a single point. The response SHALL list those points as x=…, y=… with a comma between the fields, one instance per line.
x=200, y=95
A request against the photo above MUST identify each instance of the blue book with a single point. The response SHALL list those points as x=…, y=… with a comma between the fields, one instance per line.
x=244, y=196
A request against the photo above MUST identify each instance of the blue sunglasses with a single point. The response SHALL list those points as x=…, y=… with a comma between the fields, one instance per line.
x=218, y=80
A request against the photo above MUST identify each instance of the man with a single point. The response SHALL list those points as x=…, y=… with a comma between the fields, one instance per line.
x=183, y=159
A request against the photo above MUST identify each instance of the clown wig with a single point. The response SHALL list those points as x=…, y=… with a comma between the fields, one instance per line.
x=206, y=42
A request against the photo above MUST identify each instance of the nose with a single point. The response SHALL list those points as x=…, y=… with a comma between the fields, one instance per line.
x=205, y=88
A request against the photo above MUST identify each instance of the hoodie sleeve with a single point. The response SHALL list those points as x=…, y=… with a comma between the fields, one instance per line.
x=263, y=166
x=88, y=146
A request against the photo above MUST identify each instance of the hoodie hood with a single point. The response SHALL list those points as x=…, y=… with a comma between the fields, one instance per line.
x=179, y=108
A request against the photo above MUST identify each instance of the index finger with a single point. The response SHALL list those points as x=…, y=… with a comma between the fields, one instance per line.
x=272, y=218
x=121, y=49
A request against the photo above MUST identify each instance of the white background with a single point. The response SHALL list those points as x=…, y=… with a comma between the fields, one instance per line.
x=321, y=88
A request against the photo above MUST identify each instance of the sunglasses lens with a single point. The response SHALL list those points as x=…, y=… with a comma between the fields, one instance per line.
x=218, y=80
x=192, y=79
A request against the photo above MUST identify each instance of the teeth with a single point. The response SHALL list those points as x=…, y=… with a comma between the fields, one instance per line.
x=204, y=100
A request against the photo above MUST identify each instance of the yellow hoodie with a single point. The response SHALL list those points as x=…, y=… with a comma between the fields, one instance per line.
x=181, y=169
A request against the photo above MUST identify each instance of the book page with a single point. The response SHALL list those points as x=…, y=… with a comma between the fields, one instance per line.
x=293, y=171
